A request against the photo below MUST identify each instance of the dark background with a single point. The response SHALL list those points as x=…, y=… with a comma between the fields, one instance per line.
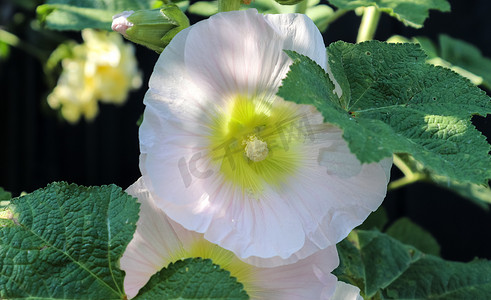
x=37, y=147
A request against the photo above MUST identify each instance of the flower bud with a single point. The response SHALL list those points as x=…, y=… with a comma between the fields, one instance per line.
x=288, y=2
x=153, y=28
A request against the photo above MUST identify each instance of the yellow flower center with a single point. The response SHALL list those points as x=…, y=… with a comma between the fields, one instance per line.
x=256, y=142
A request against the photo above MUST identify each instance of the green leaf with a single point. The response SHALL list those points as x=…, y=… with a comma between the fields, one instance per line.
x=410, y=233
x=80, y=14
x=5, y=212
x=478, y=194
x=374, y=260
x=351, y=268
x=379, y=264
x=192, y=278
x=383, y=259
x=462, y=54
x=376, y=220
x=410, y=12
x=66, y=243
x=393, y=102
x=4, y=195
x=433, y=278
x=457, y=55
x=428, y=46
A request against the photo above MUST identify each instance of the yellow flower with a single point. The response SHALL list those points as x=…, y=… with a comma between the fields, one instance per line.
x=103, y=68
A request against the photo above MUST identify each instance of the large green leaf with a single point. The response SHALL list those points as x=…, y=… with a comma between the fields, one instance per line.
x=65, y=243
x=478, y=194
x=410, y=12
x=393, y=102
x=193, y=278
x=433, y=278
x=467, y=56
x=379, y=264
x=457, y=55
x=412, y=234
x=80, y=14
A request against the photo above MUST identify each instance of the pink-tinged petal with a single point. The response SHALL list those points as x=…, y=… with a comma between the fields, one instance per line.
x=226, y=65
x=121, y=23
x=159, y=241
x=345, y=291
x=242, y=52
x=301, y=35
x=149, y=250
x=265, y=227
x=330, y=205
x=249, y=227
x=308, y=279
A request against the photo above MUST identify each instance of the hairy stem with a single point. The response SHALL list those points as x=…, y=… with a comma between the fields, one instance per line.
x=228, y=5
x=401, y=164
x=369, y=23
x=301, y=7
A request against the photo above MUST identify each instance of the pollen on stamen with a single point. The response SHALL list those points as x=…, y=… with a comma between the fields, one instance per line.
x=255, y=149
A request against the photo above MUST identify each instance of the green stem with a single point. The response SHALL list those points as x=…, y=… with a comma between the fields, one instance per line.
x=409, y=175
x=396, y=184
x=14, y=41
x=401, y=164
x=336, y=15
x=228, y=5
x=369, y=24
x=301, y=7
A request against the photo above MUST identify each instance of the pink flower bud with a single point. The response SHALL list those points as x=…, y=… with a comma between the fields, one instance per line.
x=121, y=23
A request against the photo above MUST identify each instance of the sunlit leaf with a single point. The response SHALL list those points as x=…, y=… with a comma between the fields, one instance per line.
x=393, y=102
x=65, y=243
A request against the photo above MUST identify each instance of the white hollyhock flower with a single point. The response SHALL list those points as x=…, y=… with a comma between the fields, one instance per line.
x=158, y=241
x=224, y=156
